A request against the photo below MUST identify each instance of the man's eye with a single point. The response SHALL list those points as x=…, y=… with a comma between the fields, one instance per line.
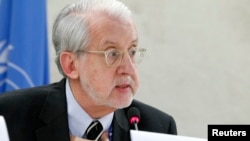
x=113, y=53
x=132, y=52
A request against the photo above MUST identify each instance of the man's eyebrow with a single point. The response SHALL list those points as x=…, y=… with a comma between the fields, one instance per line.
x=110, y=42
x=116, y=43
x=135, y=41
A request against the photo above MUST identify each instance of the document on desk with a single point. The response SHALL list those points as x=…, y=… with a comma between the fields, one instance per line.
x=3, y=130
x=151, y=136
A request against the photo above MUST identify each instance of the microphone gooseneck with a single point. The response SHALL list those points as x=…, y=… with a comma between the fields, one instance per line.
x=134, y=116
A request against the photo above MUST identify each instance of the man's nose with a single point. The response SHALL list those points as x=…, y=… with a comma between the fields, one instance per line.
x=126, y=66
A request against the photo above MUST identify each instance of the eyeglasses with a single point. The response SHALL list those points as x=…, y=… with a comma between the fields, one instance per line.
x=113, y=56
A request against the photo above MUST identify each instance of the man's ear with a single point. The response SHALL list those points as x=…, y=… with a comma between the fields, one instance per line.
x=69, y=64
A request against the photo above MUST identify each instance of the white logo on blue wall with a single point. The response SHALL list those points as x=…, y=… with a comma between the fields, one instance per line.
x=5, y=64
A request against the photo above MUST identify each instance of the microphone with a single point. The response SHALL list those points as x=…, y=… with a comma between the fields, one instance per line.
x=134, y=116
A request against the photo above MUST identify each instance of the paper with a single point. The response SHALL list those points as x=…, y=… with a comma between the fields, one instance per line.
x=151, y=136
x=3, y=130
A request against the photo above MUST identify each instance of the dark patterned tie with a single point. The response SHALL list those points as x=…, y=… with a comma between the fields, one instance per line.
x=94, y=131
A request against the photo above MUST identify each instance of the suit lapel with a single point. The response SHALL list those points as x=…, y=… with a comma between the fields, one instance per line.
x=121, y=126
x=54, y=115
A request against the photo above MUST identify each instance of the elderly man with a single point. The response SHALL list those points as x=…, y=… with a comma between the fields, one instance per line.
x=97, y=52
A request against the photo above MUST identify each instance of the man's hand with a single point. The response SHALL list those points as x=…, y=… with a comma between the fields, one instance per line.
x=104, y=137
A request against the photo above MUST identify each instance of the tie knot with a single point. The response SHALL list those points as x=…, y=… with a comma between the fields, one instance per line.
x=94, y=130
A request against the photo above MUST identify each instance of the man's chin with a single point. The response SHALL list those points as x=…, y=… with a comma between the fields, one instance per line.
x=124, y=104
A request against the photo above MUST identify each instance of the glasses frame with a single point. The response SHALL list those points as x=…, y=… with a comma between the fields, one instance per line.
x=106, y=52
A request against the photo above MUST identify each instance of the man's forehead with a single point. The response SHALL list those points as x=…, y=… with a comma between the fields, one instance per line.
x=96, y=16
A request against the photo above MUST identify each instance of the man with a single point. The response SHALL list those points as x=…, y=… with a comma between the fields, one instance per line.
x=96, y=44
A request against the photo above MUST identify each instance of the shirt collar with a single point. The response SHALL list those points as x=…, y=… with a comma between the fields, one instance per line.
x=78, y=119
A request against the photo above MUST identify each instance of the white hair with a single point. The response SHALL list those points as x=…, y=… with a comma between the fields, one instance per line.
x=71, y=31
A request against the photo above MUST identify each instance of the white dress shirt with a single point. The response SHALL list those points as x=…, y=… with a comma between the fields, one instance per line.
x=78, y=119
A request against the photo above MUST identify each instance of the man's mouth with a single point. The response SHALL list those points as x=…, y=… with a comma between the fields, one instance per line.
x=123, y=88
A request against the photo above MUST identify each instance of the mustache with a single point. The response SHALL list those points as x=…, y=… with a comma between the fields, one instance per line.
x=124, y=80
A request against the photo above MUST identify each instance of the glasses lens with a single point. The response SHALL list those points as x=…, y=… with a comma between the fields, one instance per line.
x=112, y=56
x=136, y=55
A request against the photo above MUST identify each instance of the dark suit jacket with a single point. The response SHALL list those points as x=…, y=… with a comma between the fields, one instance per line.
x=40, y=114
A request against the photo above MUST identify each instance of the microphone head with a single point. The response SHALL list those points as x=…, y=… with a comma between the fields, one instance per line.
x=133, y=115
